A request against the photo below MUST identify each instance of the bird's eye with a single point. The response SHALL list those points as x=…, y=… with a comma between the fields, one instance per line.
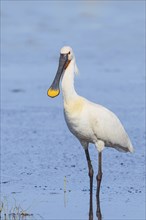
x=69, y=52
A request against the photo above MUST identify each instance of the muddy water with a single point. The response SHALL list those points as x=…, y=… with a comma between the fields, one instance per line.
x=37, y=150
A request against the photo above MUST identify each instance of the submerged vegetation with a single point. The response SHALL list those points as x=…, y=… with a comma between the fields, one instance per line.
x=13, y=212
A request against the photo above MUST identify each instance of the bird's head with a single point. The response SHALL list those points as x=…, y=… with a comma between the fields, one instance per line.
x=66, y=50
x=66, y=56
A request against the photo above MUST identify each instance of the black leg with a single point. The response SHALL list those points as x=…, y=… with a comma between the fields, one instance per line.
x=91, y=183
x=99, y=178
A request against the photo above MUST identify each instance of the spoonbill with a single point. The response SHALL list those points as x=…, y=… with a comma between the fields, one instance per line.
x=89, y=122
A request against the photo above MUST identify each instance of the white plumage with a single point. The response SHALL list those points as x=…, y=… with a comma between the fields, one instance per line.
x=90, y=122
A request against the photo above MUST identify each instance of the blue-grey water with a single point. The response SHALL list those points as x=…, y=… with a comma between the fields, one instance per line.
x=37, y=150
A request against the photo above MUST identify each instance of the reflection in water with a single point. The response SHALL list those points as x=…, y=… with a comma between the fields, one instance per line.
x=98, y=178
x=98, y=210
x=65, y=198
x=91, y=183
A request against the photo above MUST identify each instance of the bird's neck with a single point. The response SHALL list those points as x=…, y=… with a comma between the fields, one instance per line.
x=69, y=93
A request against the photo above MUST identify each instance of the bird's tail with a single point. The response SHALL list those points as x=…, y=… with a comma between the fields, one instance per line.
x=130, y=147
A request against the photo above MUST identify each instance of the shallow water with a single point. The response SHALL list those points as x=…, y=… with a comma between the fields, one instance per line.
x=37, y=150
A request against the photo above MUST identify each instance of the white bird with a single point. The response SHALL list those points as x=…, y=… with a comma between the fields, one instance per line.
x=89, y=122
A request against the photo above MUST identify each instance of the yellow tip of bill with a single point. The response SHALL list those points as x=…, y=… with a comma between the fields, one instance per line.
x=53, y=93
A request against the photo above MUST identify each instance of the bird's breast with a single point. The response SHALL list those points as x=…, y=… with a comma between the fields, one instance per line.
x=77, y=120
